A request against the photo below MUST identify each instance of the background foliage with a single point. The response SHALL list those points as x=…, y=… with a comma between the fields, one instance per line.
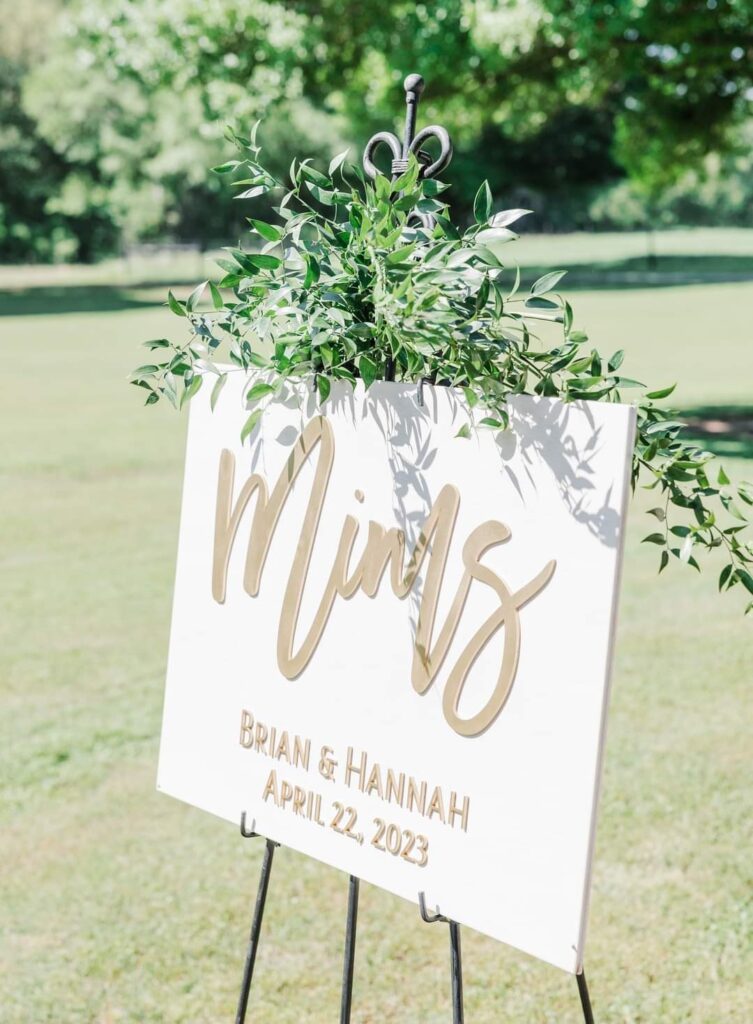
x=621, y=113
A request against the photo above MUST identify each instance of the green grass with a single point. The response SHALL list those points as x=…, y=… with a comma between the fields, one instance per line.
x=120, y=905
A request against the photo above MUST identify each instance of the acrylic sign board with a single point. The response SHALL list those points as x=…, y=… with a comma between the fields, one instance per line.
x=391, y=645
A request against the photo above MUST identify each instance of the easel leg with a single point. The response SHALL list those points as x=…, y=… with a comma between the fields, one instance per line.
x=456, y=961
x=350, y=951
x=253, y=940
x=585, y=999
x=456, y=969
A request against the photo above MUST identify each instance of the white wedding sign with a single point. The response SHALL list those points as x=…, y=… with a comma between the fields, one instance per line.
x=391, y=645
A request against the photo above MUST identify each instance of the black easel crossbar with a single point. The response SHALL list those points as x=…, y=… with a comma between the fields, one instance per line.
x=351, y=924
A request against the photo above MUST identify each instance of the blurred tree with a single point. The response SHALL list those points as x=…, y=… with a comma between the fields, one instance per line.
x=666, y=80
x=149, y=89
x=31, y=171
x=718, y=192
x=677, y=74
x=548, y=99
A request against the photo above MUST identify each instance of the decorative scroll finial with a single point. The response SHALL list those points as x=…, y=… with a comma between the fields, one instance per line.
x=414, y=86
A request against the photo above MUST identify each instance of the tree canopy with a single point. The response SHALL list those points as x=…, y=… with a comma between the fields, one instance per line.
x=111, y=118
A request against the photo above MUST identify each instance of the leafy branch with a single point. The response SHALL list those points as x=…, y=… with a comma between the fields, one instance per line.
x=352, y=282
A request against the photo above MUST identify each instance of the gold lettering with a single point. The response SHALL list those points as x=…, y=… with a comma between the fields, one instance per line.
x=271, y=788
x=374, y=785
x=462, y=811
x=350, y=769
x=481, y=539
x=260, y=741
x=436, y=805
x=247, y=729
x=283, y=750
x=416, y=796
x=383, y=548
x=318, y=811
x=299, y=799
x=301, y=753
x=395, y=789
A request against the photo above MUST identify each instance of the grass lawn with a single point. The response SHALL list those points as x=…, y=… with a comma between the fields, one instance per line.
x=120, y=905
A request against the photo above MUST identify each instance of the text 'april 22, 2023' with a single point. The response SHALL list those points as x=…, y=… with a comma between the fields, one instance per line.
x=358, y=772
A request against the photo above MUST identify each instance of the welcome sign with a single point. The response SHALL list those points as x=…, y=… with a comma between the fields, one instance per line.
x=391, y=645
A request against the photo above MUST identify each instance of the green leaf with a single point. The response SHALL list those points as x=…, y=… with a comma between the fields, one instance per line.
x=248, y=426
x=482, y=204
x=177, y=307
x=217, y=300
x=583, y=383
x=505, y=217
x=482, y=295
x=724, y=575
x=323, y=386
x=263, y=261
x=227, y=266
x=312, y=270
x=195, y=297
x=432, y=187
x=745, y=578
x=191, y=389
x=658, y=513
x=268, y=231
x=547, y=282
x=252, y=193
x=179, y=366
x=661, y=393
x=496, y=236
x=654, y=538
x=447, y=228
x=734, y=510
x=722, y=477
x=616, y=360
x=227, y=167
x=401, y=254
x=219, y=384
x=408, y=178
x=157, y=343
x=311, y=174
x=568, y=318
x=491, y=421
x=465, y=431
x=259, y=390
x=338, y=161
x=368, y=369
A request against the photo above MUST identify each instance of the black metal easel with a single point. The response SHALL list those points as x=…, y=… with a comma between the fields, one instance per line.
x=401, y=152
x=351, y=923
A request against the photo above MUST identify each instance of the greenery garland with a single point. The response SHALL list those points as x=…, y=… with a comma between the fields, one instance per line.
x=354, y=281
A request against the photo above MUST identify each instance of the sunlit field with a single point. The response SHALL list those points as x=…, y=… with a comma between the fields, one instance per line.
x=121, y=905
